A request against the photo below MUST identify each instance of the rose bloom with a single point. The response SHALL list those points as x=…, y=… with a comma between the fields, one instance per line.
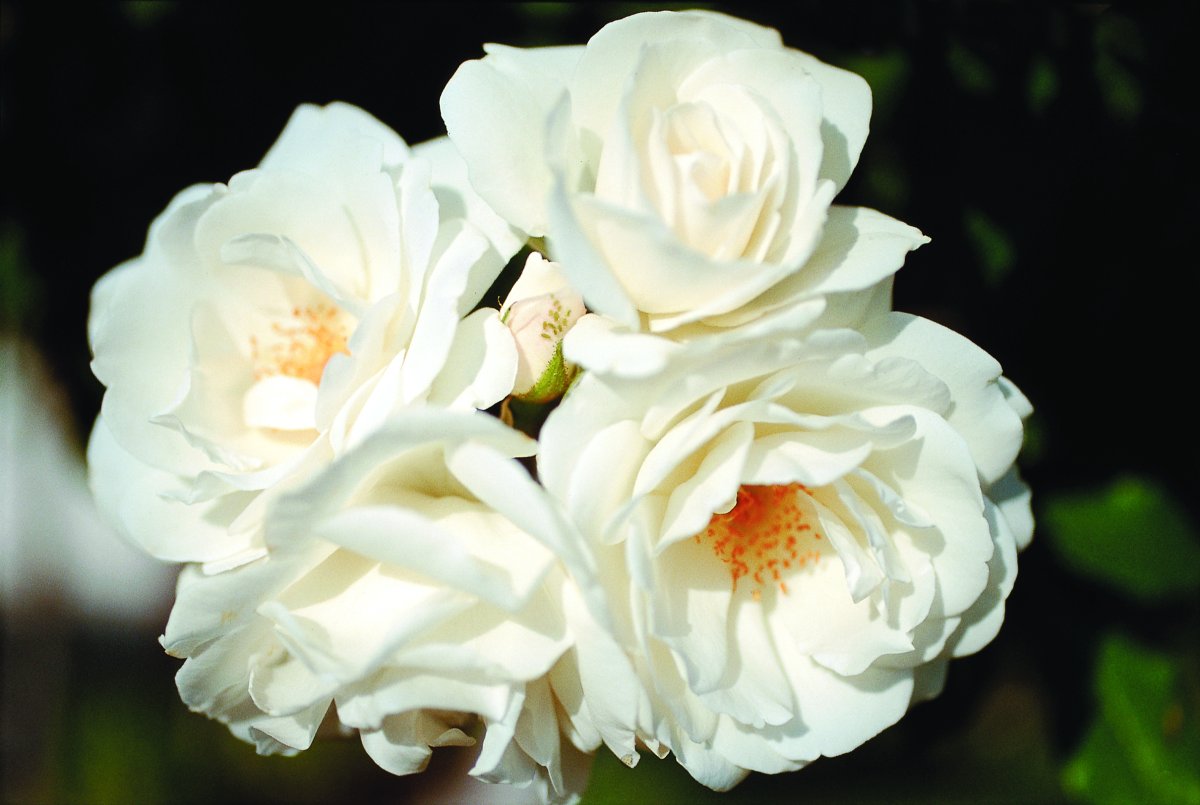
x=274, y=322
x=418, y=585
x=796, y=535
x=681, y=167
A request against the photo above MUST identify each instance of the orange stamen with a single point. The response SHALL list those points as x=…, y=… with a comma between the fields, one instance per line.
x=300, y=347
x=763, y=535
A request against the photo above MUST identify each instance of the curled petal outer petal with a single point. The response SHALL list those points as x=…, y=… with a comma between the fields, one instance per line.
x=514, y=90
x=983, y=413
x=457, y=197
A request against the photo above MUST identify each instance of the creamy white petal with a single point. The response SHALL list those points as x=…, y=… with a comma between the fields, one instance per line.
x=280, y=683
x=981, y=412
x=846, y=103
x=859, y=247
x=480, y=366
x=368, y=704
x=936, y=473
x=616, y=48
x=296, y=731
x=596, y=343
x=839, y=713
x=404, y=743
x=304, y=214
x=608, y=685
x=339, y=133
x=1014, y=500
x=282, y=403
x=511, y=89
x=753, y=689
x=136, y=345
x=129, y=494
x=708, y=767
x=457, y=198
x=572, y=247
x=646, y=259
x=981, y=623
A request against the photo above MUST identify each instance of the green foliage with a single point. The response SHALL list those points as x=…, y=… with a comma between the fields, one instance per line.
x=20, y=292
x=970, y=71
x=1043, y=85
x=146, y=13
x=995, y=249
x=886, y=178
x=1132, y=537
x=1036, y=441
x=1119, y=46
x=652, y=780
x=123, y=762
x=886, y=73
x=555, y=11
x=1145, y=741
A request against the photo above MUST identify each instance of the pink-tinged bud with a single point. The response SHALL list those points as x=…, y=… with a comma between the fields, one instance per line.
x=539, y=311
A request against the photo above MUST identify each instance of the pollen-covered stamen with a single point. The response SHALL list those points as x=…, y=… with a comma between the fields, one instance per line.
x=765, y=535
x=301, y=345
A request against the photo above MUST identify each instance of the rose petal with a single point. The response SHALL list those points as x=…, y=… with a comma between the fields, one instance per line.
x=404, y=743
x=510, y=88
x=981, y=413
x=457, y=198
x=617, y=47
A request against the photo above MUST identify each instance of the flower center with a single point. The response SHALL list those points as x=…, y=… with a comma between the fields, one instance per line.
x=300, y=345
x=764, y=535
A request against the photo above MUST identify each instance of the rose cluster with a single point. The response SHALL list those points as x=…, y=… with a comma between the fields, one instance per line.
x=762, y=514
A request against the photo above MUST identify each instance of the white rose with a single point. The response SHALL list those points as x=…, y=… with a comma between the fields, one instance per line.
x=540, y=310
x=805, y=531
x=273, y=322
x=417, y=584
x=681, y=167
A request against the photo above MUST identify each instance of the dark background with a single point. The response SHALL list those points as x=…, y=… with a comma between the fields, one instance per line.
x=1049, y=151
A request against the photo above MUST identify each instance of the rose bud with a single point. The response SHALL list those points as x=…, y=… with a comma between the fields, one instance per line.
x=539, y=311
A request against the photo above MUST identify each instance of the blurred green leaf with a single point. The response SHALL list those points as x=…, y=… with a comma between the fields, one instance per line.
x=1043, y=85
x=1036, y=441
x=886, y=177
x=885, y=73
x=997, y=256
x=547, y=9
x=660, y=781
x=145, y=13
x=1098, y=772
x=1145, y=742
x=1118, y=45
x=970, y=71
x=19, y=289
x=1132, y=536
x=118, y=757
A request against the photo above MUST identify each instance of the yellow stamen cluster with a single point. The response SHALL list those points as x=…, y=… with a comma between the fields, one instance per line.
x=301, y=345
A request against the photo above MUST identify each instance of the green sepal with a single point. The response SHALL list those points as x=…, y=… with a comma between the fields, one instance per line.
x=553, y=381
